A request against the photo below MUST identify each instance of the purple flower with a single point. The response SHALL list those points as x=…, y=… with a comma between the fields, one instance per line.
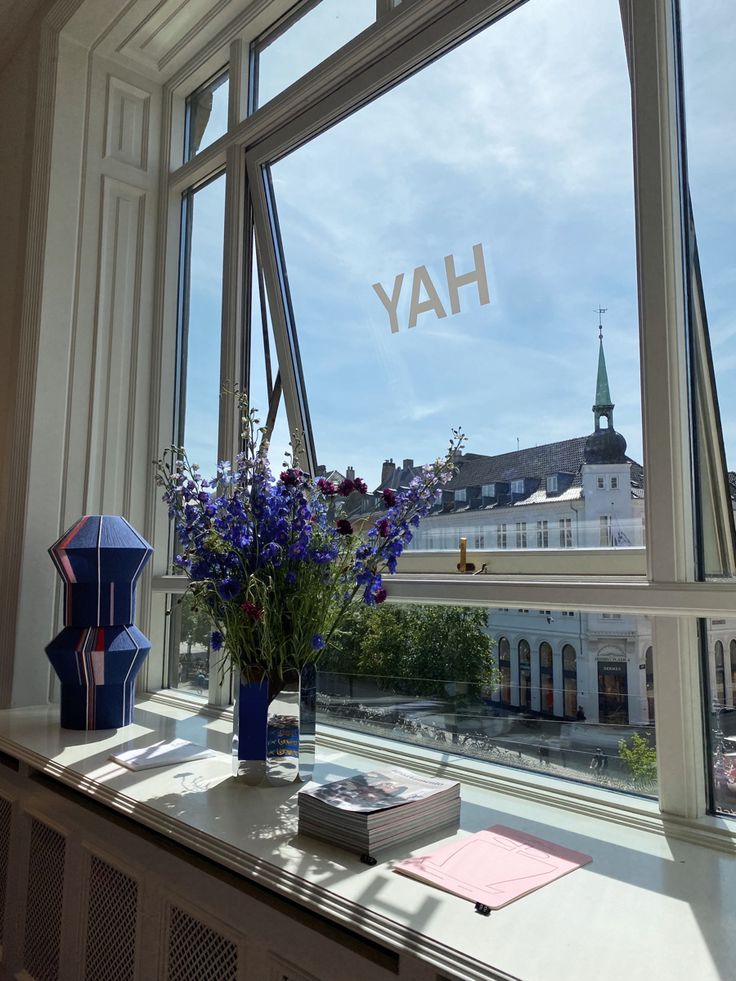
x=384, y=528
x=327, y=487
x=346, y=487
x=389, y=497
x=344, y=527
x=380, y=596
x=360, y=486
x=318, y=642
x=216, y=640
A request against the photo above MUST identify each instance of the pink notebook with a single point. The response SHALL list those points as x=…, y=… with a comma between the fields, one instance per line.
x=494, y=866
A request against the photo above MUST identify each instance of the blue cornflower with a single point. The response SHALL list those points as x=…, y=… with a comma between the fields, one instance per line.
x=318, y=642
x=216, y=640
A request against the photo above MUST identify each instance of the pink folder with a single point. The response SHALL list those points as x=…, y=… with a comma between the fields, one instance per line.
x=494, y=866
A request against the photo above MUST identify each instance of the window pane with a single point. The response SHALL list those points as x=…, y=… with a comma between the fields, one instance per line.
x=567, y=693
x=204, y=218
x=446, y=266
x=293, y=50
x=190, y=653
x=206, y=115
x=264, y=381
x=721, y=689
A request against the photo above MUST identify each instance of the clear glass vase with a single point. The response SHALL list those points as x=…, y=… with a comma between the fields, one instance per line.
x=274, y=728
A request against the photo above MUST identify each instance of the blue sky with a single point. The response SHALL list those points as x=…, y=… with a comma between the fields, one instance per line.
x=519, y=140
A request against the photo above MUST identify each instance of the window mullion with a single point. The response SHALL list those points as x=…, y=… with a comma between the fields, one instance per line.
x=650, y=30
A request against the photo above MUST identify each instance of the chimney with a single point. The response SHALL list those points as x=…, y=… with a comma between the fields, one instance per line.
x=387, y=472
x=408, y=464
x=350, y=473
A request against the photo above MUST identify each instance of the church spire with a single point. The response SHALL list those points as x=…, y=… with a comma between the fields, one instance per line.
x=603, y=408
x=604, y=445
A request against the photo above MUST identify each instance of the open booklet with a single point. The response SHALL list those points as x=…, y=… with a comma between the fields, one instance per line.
x=494, y=866
x=162, y=753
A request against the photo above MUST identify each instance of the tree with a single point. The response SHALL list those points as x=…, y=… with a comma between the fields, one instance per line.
x=195, y=624
x=641, y=759
x=417, y=649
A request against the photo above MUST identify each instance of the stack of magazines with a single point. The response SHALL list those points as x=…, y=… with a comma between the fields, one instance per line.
x=371, y=811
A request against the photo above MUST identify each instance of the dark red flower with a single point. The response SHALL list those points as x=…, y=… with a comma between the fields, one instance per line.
x=346, y=487
x=360, y=485
x=383, y=527
x=290, y=477
x=380, y=596
x=326, y=486
x=389, y=497
x=344, y=527
x=253, y=611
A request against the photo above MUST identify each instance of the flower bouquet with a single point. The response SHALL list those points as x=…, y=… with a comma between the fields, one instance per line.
x=275, y=564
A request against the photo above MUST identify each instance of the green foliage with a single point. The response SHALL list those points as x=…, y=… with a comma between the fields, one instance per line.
x=196, y=624
x=416, y=649
x=641, y=759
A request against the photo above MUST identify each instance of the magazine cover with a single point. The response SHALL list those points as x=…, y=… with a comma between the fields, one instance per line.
x=377, y=790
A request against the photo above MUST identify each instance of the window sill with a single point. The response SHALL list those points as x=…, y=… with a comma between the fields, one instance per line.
x=669, y=899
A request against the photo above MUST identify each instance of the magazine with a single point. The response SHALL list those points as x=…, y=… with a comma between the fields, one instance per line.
x=495, y=866
x=370, y=811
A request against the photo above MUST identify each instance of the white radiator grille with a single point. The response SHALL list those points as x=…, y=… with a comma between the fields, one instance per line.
x=44, y=903
x=6, y=812
x=197, y=951
x=111, y=924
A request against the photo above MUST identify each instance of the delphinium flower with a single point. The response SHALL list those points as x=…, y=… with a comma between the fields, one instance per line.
x=271, y=560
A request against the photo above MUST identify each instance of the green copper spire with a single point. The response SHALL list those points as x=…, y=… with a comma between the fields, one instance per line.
x=602, y=394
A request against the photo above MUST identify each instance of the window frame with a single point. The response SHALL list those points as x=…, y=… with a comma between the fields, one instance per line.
x=666, y=586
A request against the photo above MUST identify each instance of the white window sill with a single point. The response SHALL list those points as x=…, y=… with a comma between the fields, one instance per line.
x=668, y=901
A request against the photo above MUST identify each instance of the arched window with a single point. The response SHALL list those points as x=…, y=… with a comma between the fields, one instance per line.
x=546, y=679
x=570, y=681
x=525, y=675
x=504, y=667
x=720, y=692
x=649, y=672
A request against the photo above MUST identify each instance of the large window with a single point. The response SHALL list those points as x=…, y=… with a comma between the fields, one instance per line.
x=456, y=227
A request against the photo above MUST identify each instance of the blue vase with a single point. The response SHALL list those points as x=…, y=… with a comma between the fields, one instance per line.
x=274, y=728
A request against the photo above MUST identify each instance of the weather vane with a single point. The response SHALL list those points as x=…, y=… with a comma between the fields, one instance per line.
x=600, y=311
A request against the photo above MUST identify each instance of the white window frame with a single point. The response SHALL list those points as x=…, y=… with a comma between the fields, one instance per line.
x=543, y=533
x=521, y=534
x=666, y=587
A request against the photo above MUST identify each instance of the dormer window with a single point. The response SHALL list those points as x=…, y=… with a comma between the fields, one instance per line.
x=488, y=490
x=461, y=495
x=517, y=486
x=552, y=487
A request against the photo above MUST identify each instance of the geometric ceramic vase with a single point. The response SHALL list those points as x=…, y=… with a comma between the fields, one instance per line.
x=99, y=652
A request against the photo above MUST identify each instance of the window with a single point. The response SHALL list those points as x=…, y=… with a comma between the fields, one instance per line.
x=324, y=314
x=552, y=484
x=542, y=534
x=614, y=483
x=461, y=495
x=517, y=486
x=488, y=490
x=521, y=534
x=479, y=540
x=565, y=532
x=600, y=483
x=206, y=115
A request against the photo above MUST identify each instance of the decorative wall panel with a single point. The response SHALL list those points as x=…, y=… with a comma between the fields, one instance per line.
x=127, y=123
